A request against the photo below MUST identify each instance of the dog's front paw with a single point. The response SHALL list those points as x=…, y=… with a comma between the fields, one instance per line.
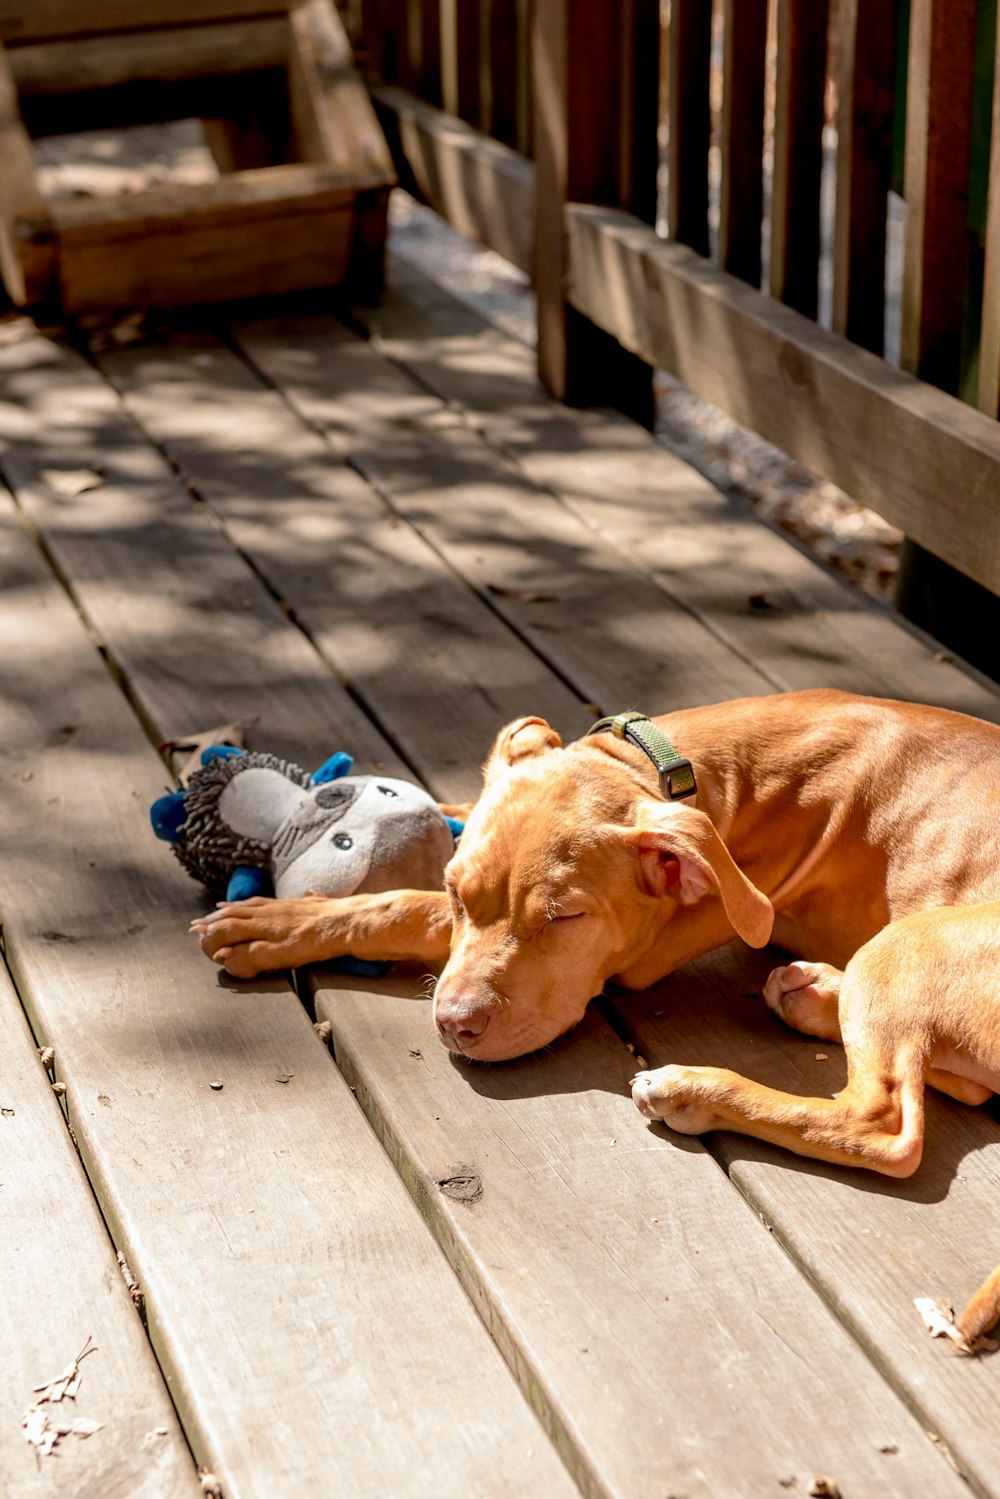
x=677, y=1096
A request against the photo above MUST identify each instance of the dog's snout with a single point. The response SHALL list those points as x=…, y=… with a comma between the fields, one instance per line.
x=459, y=1023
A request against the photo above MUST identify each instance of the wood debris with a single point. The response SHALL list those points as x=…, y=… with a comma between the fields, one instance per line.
x=823, y=1488
x=69, y=482
x=134, y=1288
x=45, y=1429
x=46, y=1056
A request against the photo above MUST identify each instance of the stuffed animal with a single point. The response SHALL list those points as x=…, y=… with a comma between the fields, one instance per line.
x=251, y=824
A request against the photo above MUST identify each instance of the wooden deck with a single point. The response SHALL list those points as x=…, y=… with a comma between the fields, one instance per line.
x=391, y=1274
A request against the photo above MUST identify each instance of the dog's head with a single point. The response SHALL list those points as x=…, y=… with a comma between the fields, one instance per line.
x=566, y=875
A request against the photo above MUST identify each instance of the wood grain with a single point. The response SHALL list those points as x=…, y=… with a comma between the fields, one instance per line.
x=254, y=233
x=154, y=577
x=60, y=1285
x=314, y=1338
x=799, y=625
x=938, y=146
x=888, y=440
x=865, y=101
x=27, y=250
x=869, y=1245
x=741, y=206
x=621, y=1275
x=26, y=20
x=800, y=27
x=560, y=585
x=134, y=57
x=414, y=644
x=483, y=188
x=989, y=344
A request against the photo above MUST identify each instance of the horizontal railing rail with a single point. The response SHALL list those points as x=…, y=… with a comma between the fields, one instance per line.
x=791, y=205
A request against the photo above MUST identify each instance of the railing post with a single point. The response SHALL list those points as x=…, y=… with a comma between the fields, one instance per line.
x=942, y=47
x=578, y=83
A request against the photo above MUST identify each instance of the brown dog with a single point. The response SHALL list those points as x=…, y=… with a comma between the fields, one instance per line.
x=821, y=818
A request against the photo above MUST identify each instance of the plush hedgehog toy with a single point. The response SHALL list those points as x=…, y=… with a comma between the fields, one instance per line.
x=251, y=824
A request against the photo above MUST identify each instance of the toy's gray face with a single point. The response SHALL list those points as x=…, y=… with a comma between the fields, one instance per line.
x=361, y=832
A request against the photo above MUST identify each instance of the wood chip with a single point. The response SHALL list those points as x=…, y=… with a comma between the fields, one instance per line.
x=69, y=482
x=823, y=1488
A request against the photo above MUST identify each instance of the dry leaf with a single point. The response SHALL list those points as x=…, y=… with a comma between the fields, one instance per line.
x=66, y=1384
x=70, y=482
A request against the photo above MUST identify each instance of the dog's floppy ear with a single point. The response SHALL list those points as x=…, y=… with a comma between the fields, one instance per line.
x=521, y=740
x=680, y=855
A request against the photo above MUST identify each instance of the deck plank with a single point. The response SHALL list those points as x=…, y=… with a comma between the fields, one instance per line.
x=709, y=552
x=154, y=576
x=57, y=1261
x=555, y=580
x=314, y=1338
x=870, y=1245
x=668, y=1342
x=413, y=642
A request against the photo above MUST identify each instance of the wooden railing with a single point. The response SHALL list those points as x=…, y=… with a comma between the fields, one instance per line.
x=539, y=126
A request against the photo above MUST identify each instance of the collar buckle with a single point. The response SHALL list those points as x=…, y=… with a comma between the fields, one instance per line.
x=677, y=778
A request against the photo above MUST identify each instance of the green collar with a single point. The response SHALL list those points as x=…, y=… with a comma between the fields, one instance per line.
x=676, y=774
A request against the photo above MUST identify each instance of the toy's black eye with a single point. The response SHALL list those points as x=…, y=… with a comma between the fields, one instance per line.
x=341, y=840
x=388, y=791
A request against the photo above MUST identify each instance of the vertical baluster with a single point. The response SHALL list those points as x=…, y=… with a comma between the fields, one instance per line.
x=866, y=95
x=989, y=345
x=460, y=43
x=742, y=192
x=801, y=27
x=689, y=52
x=577, y=102
x=938, y=140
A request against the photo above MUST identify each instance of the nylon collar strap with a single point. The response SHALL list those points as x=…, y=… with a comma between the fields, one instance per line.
x=676, y=774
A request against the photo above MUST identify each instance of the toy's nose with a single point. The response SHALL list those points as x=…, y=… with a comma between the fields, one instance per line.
x=460, y=1022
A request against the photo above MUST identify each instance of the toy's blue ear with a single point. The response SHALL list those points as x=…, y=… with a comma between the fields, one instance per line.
x=245, y=882
x=219, y=752
x=457, y=827
x=331, y=770
x=167, y=816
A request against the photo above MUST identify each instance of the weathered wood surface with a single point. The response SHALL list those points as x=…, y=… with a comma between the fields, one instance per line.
x=800, y=33
x=646, y=1309
x=26, y=250
x=24, y=20
x=430, y=660
x=868, y=1244
x=765, y=599
x=104, y=62
x=254, y=233
x=154, y=577
x=550, y=576
x=888, y=440
x=320, y=1347
x=989, y=346
x=60, y=1285
x=741, y=194
x=597, y=1458
x=482, y=187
